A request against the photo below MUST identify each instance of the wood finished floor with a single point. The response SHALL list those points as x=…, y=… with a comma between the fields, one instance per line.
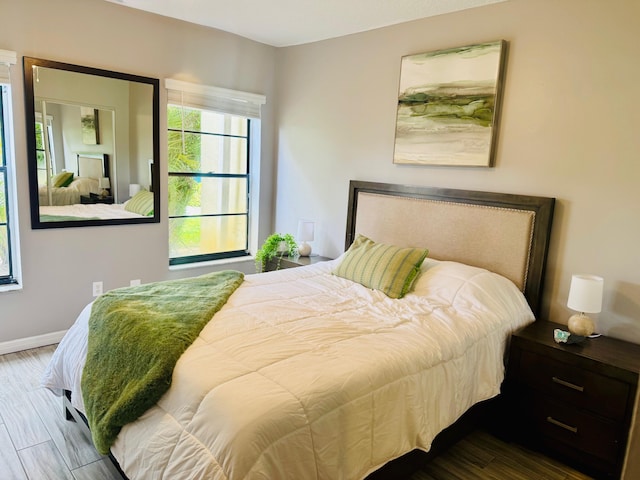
x=37, y=443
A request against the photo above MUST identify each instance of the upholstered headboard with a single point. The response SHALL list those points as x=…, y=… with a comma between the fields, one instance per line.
x=507, y=234
x=93, y=165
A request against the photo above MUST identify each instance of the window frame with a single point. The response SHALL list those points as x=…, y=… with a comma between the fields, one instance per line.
x=230, y=254
x=47, y=126
x=12, y=280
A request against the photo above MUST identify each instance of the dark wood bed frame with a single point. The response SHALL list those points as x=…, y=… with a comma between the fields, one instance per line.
x=481, y=413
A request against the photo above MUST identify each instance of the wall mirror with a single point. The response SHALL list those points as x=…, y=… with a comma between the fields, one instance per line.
x=92, y=144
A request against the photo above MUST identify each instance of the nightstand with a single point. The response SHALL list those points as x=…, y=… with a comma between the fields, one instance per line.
x=292, y=262
x=574, y=402
x=93, y=198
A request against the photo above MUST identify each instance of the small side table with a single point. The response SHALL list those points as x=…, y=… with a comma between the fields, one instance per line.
x=91, y=199
x=293, y=262
x=573, y=401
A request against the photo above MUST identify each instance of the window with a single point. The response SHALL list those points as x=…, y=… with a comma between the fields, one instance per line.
x=9, y=271
x=40, y=148
x=209, y=145
x=208, y=186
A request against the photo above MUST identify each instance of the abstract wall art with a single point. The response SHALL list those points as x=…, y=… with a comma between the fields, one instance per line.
x=89, y=125
x=448, y=105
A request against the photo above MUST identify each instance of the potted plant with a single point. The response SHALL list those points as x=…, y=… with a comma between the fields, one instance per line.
x=275, y=246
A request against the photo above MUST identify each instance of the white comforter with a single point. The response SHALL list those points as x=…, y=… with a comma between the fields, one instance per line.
x=304, y=375
x=68, y=195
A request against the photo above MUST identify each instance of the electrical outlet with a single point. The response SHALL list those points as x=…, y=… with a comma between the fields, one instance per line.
x=97, y=289
x=134, y=283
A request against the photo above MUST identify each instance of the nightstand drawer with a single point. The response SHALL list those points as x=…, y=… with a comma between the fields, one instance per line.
x=576, y=428
x=583, y=389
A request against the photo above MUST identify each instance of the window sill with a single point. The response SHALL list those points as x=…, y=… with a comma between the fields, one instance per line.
x=10, y=287
x=212, y=263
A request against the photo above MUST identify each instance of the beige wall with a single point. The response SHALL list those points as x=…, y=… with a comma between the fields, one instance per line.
x=569, y=129
x=60, y=265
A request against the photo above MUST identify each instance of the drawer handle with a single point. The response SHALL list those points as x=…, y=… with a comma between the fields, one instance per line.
x=562, y=425
x=564, y=383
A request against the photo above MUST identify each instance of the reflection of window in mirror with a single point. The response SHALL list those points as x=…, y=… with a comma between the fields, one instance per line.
x=40, y=148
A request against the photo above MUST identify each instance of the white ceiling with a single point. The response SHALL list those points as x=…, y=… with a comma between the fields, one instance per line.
x=292, y=22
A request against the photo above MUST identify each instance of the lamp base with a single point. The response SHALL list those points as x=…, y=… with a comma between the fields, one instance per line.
x=582, y=325
x=304, y=250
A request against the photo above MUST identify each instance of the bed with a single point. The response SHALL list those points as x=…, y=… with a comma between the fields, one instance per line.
x=93, y=211
x=307, y=374
x=141, y=205
x=83, y=181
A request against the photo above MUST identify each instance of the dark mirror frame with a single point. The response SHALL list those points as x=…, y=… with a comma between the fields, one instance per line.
x=30, y=116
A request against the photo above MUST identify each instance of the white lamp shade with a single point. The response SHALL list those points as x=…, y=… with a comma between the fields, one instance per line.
x=104, y=182
x=305, y=231
x=585, y=293
x=134, y=188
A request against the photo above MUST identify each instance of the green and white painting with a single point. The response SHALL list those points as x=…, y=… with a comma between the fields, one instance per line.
x=448, y=104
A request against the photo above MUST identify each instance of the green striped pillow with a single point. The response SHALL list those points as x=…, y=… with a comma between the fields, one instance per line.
x=63, y=179
x=387, y=268
x=141, y=203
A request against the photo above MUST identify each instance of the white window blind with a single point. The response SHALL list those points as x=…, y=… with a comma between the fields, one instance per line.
x=222, y=100
x=7, y=58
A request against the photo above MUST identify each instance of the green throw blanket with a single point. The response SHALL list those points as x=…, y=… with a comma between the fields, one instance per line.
x=136, y=335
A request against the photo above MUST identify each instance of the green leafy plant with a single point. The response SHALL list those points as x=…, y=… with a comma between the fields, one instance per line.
x=271, y=249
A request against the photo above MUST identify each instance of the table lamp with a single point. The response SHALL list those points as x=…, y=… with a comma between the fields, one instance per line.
x=585, y=296
x=134, y=188
x=305, y=234
x=103, y=185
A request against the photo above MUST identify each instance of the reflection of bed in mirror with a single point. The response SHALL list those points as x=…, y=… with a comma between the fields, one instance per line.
x=85, y=180
x=141, y=205
x=66, y=203
x=96, y=211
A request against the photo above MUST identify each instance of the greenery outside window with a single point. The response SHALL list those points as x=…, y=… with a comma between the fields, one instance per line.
x=208, y=184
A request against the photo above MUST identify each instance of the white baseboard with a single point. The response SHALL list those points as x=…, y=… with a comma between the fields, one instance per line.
x=31, y=342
